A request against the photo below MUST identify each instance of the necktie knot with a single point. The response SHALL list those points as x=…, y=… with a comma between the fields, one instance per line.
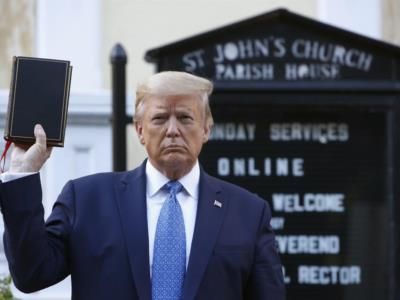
x=173, y=187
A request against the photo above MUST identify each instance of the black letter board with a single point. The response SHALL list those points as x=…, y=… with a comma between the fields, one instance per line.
x=307, y=116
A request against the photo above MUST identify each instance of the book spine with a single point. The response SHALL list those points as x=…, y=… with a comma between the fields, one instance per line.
x=66, y=103
x=10, y=99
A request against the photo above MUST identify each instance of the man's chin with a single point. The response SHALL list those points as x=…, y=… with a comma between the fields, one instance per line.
x=173, y=158
x=177, y=161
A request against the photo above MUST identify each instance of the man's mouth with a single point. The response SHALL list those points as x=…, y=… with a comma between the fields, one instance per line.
x=173, y=148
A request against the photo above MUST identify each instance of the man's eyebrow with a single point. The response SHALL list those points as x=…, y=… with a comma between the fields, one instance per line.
x=180, y=108
x=161, y=107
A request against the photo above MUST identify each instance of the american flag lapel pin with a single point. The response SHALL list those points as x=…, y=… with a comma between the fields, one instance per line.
x=217, y=203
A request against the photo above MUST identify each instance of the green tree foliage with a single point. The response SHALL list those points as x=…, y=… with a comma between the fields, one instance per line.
x=5, y=289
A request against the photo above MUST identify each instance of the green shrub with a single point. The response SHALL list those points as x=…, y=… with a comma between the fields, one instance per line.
x=5, y=288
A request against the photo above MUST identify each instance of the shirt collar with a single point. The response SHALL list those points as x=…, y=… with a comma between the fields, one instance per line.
x=156, y=180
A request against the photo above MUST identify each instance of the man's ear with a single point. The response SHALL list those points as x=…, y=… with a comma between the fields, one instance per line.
x=139, y=131
x=206, y=133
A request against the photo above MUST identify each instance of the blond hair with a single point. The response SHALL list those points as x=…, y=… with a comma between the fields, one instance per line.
x=171, y=83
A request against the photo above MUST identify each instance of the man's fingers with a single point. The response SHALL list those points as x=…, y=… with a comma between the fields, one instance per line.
x=22, y=146
x=40, y=135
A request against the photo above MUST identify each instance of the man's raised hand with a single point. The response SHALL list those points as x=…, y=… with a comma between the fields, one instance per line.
x=30, y=158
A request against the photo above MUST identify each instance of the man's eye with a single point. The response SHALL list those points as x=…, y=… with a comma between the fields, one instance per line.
x=185, y=118
x=158, y=119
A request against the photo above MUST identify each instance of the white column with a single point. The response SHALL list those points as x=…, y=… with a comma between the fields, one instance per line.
x=71, y=30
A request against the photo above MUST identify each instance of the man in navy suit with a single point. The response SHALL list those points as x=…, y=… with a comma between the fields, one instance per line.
x=164, y=231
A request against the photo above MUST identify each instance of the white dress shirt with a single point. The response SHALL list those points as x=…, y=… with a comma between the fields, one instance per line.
x=7, y=176
x=187, y=198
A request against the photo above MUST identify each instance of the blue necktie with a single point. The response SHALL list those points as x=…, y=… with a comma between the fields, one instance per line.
x=169, y=257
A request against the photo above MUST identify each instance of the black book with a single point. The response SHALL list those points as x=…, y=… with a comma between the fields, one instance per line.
x=39, y=94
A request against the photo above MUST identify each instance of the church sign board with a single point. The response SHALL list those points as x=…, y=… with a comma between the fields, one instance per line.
x=307, y=116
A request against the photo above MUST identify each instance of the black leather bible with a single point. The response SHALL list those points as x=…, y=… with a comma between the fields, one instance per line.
x=39, y=94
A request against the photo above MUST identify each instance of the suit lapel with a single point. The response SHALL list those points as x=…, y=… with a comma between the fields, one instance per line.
x=131, y=198
x=210, y=215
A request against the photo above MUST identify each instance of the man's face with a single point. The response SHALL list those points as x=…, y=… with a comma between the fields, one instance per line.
x=173, y=130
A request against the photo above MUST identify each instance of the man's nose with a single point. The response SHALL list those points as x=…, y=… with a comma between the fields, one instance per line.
x=172, y=127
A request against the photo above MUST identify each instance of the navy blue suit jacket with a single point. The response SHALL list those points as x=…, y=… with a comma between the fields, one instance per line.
x=97, y=232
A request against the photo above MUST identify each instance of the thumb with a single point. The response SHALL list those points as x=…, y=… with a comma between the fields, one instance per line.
x=40, y=135
x=33, y=158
